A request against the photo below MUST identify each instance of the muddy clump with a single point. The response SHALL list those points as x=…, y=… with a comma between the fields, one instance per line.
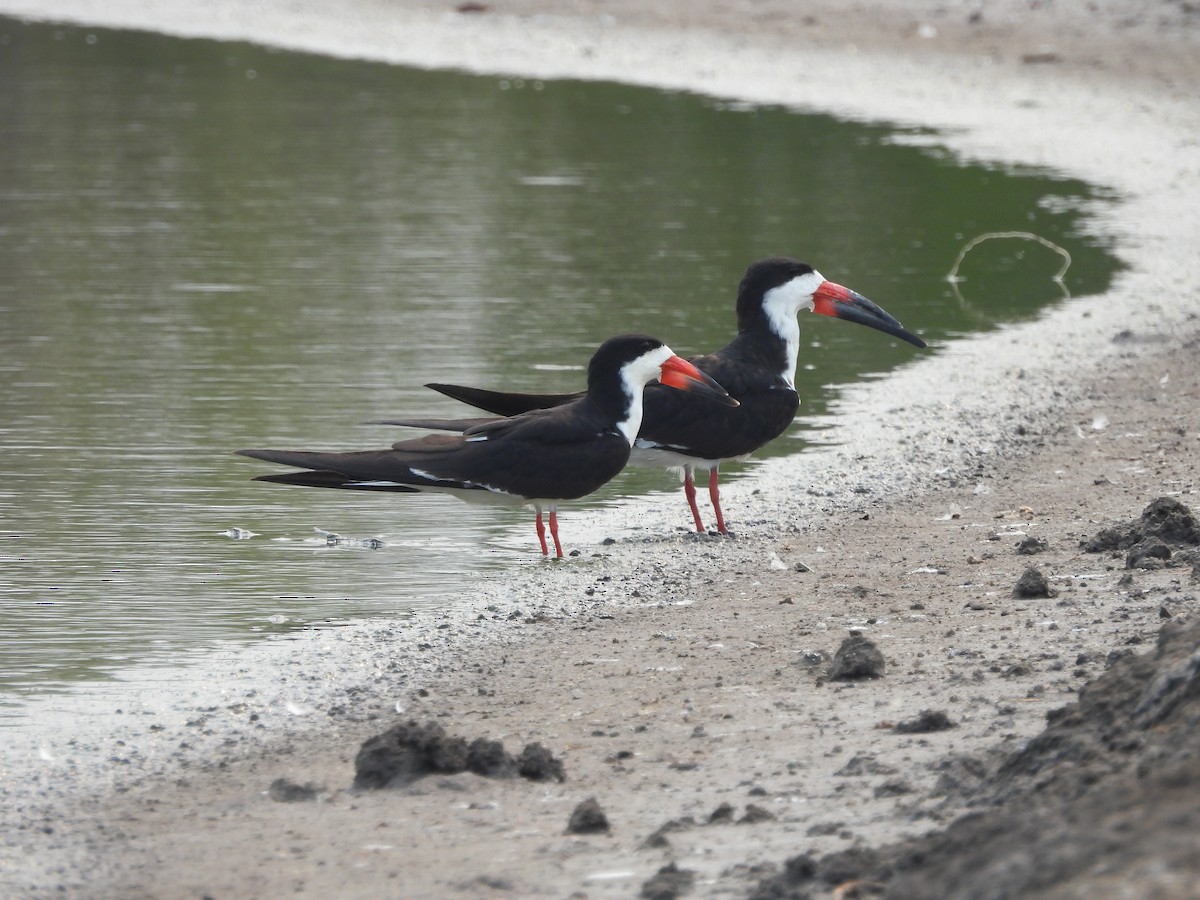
x=864, y=764
x=1108, y=793
x=588, y=818
x=855, y=659
x=668, y=883
x=538, y=764
x=755, y=814
x=659, y=837
x=1032, y=585
x=927, y=722
x=490, y=759
x=1032, y=545
x=1165, y=518
x=284, y=790
x=722, y=814
x=410, y=751
x=1147, y=554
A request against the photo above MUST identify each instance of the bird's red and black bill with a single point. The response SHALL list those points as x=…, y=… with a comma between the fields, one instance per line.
x=681, y=374
x=842, y=303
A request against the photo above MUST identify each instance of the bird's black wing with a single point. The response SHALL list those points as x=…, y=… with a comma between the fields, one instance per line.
x=504, y=403
x=692, y=426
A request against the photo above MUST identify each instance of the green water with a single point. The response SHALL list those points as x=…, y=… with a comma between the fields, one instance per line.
x=207, y=246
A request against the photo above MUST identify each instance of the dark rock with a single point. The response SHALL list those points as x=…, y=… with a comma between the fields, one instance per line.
x=284, y=791
x=659, y=837
x=894, y=787
x=668, y=883
x=926, y=722
x=723, y=813
x=865, y=764
x=1147, y=554
x=538, y=764
x=755, y=814
x=1032, y=584
x=822, y=829
x=491, y=882
x=588, y=818
x=1032, y=545
x=856, y=658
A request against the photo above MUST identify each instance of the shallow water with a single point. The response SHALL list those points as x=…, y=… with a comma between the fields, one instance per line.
x=208, y=246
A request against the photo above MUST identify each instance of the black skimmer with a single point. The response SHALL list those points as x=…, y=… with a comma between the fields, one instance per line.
x=758, y=368
x=539, y=457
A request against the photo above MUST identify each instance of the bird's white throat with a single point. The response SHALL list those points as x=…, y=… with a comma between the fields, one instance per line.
x=635, y=375
x=781, y=305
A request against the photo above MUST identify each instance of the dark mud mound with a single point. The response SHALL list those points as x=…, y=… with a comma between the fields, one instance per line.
x=410, y=751
x=1032, y=585
x=588, y=818
x=856, y=658
x=926, y=722
x=668, y=883
x=1166, y=519
x=1105, y=802
x=284, y=790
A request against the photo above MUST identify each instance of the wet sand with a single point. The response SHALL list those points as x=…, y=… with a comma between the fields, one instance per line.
x=672, y=674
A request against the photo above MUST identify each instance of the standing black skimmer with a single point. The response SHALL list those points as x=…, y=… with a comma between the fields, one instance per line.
x=758, y=368
x=539, y=457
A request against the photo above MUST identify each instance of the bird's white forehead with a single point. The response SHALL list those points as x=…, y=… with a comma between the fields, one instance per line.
x=792, y=296
x=637, y=373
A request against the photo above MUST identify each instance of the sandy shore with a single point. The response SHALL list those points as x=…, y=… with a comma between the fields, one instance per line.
x=673, y=675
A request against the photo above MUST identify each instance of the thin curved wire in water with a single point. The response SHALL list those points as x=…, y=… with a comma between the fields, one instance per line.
x=953, y=278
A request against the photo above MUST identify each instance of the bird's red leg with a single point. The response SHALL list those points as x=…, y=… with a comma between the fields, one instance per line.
x=541, y=530
x=689, y=491
x=554, y=531
x=714, y=494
